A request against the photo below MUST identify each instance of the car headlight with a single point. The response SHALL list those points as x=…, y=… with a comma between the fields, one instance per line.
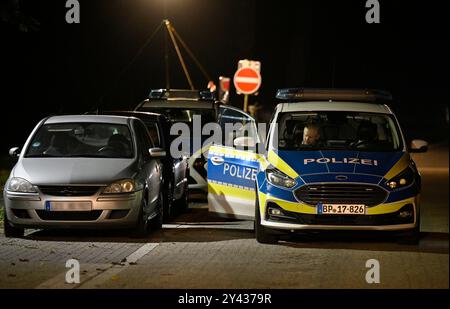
x=121, y=186
x=21, y=185
x=405, y=178
x=278, y=178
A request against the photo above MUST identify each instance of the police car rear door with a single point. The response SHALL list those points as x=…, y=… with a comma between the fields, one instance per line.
x=232, y=166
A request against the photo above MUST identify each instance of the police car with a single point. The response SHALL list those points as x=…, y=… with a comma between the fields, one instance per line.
x=182, y=106
x=333, y=160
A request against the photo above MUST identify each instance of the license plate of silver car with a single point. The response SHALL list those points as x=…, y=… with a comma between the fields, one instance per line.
x=68, y=206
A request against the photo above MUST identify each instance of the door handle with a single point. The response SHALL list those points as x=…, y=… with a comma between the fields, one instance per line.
x=217, y=160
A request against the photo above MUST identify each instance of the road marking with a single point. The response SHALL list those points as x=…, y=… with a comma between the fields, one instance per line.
x=97, y=281
x=136, y=255
x=247, y=225
x=96, y=274
x=29, y=232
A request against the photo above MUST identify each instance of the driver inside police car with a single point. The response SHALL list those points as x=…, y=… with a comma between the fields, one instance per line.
x=311, y=135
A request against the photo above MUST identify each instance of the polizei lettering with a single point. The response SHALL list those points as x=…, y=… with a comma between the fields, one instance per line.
x=239, y=171
x=342, y=161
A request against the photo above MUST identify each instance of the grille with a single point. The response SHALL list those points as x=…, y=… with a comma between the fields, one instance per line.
x=369, y=195
x=69, y=215
x=69, y=190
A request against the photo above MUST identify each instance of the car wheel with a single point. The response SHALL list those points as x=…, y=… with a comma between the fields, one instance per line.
x=168, y=203
x=141, y=229
x=262, y=234
x=11, y=231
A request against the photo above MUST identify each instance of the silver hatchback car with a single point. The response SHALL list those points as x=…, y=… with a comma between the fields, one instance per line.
x=85, y=171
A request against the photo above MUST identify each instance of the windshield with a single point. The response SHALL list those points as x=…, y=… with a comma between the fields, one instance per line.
x=183, y=114
x=337, y=131
x=63, y=140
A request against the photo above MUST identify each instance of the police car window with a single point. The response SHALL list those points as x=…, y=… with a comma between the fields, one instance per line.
x=153, y=131
x=269, y=129
x=337, y=130
x=236, y=124
x=187, y=116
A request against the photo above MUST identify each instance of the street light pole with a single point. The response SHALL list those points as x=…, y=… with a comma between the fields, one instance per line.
x=166, y=49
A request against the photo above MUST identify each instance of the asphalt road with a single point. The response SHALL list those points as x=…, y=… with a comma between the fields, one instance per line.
x=201, y=251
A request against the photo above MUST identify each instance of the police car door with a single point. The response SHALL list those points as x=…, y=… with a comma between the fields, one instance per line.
x=232, y=166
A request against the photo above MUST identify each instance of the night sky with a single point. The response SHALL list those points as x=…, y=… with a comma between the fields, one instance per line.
x=51, y=67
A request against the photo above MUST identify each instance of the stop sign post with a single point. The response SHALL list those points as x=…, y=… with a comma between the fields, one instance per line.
x=247, y=81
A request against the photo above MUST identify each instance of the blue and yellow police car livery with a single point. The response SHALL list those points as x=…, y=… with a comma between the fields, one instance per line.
x=334, y=160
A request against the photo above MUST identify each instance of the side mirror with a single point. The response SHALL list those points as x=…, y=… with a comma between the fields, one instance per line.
x=14, y=152
x=244, y=141
x=418, y=146
x=157, y=153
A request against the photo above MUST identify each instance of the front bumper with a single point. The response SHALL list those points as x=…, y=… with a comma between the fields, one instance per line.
x=295, y=227
x=390, y=220
x=105, y=211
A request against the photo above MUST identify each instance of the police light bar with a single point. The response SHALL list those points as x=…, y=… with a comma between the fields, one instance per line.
x=320, y=94
x=178, y=94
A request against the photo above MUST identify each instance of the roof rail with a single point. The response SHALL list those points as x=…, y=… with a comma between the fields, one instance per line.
x=180, y=94
x=323, y=94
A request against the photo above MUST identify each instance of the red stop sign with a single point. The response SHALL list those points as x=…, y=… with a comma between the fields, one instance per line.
x=247, y=80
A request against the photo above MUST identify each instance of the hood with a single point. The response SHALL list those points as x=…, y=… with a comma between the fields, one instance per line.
x=337, y=161
x=44, y=171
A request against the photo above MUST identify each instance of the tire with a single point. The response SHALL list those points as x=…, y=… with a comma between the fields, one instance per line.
x=142, y=225
x=11, y=231
x=262, y=234
x=168, y=203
